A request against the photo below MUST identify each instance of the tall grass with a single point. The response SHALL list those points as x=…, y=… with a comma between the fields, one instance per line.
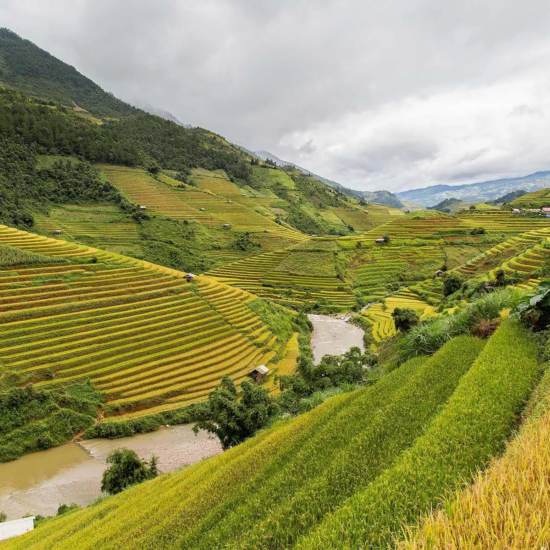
x=507, y=508
x=471, y=429
x=429, y=336
x=11, y=256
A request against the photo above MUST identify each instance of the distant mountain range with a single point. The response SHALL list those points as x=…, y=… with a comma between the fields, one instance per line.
x=476, y=192
x=380, y=197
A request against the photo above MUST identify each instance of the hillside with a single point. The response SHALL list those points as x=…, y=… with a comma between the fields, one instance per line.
x=476, y=192
x=342, y=476
x=29, y=69
x=72, y=313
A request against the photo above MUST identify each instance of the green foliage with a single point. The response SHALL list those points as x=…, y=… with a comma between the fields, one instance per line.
x=404, y=319
x=508, y=198
x=452, y=282
x=478, y=231
x=126, y=469
x=234, y=420
x=535, y=310
x=66, y=508
x=471, y=429
x=150, y=423
x=332, y=371
x=243, y=241
x=33, y=419
x=3, y=517
x=429, y=335
x=11, y=256
x=278, y=320
x=32, y=70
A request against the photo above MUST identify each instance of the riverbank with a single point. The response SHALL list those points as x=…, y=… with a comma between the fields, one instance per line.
x=38, y=483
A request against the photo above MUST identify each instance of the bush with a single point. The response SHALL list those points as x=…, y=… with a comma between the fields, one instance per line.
x=126, y=469
x=404, y=319
x=452, y=282
x=3, y=517
x=234, y=421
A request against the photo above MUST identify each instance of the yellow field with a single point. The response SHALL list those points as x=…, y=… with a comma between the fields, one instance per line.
x=140, y=332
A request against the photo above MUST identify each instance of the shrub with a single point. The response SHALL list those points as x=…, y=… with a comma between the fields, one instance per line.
x=404, y=319
x=232, y=420
x=452, y=282
x=3, y=517
x=126, y=469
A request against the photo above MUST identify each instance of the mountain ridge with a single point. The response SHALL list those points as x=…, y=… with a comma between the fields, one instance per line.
x=478, y=191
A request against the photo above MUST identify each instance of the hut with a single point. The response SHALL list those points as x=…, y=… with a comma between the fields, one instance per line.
x=380, y=240
x=202, y=209
x=313, y=235
x=258, y=374
x=57, y=232
x=189, y=277
x=439, y=273
x=267, y=213
x=546, y=209
x=516, y=211
x=230, y=202
x=143, y=207
x=266, y=230
x=243, y=194
x=226, y=226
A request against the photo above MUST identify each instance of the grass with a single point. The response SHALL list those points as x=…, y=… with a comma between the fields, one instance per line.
x=470, y=430
x=11, y=257
x=507, y=507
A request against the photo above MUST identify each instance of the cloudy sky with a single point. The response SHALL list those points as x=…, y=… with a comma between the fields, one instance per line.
x=376, y=95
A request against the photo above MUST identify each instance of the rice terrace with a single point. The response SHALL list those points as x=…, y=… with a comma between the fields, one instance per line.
x=167, y=298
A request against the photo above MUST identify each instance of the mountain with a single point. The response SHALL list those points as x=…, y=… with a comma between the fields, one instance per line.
x=264, y=155
x=29, y=69
x=167, y=115
x=476, y=192
x=383, y=197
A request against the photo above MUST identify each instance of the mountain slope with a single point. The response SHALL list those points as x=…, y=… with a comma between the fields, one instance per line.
x=476, y=192
x=29, y=69
x=373, y=459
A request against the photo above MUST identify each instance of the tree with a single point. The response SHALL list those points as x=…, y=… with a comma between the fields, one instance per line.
x=473, y=207
x=232, y=420
x=387, y=238
x=451, y=283
x=404, y=318
x=126, y=469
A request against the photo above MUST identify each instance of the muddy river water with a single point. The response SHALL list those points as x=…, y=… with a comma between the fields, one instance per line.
x=333, y=336
x=38, y=483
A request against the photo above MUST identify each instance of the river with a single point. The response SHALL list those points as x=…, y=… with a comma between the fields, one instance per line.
x=39, y=482
x=333, y=336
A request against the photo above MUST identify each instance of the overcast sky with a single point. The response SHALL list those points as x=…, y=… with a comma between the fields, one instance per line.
x=392, y=94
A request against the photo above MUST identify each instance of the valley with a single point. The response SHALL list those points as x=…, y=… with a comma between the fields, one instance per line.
x=313, y=367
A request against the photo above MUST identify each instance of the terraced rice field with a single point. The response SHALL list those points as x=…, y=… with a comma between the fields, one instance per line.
x=260, y=275
x=377, y=267
x=98, y=223
x=380, y=317
x=534, y=199
x=162, y=197
x=140, y=332
x=409, y=227
x=502, y=252
x=503, y=221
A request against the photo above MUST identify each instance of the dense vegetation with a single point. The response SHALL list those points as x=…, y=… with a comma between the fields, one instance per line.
x=30, y=69
x=34, y=419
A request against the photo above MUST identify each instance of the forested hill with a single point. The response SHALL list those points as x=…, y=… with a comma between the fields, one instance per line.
x=29, y=69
